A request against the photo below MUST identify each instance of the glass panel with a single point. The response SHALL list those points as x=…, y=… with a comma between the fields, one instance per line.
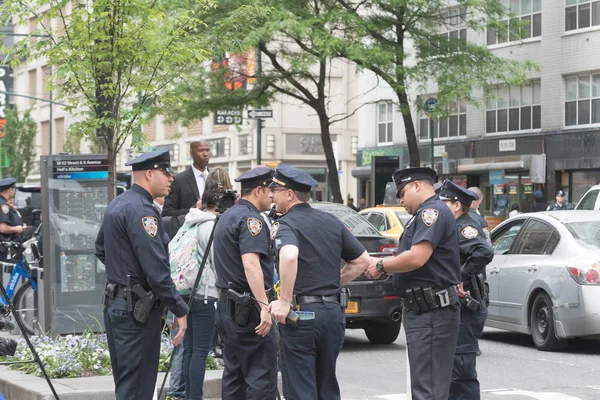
x=571, y=113
x=515, y=28
x=525, y=7
x=453, y=35
x=502, y=243
x=596, y=85
x=534, y=238
x=515, y=6
x=589, y=201
x=537, y=91
x=463, y=35
x=537, y=5
x=443, y=128
x=389, y=131
x=490, y=122
x=596, y=111
x=381, y=133
x=513, y=117
x=502, y=97
x=515, y=96
x=571, y=88
x=491, y=100
x=491, y=36
x=584, y=87
x=382, y=112
x=503, y=32
x=453, y=107
x=537, y=117
x=596, y=13
x=526, y=26
x=463, y=102
x=537, y=25
x=502, y=120
x=525, y=118
x=435, y=128
x=571, y=18
x=453, y=125
x=423, y=128
x=526, y=94
x=583, y=112
x=571, y=2
x=463, y=125
x=584, y=15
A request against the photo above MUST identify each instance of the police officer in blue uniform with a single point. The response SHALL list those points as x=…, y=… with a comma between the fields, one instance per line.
x=309, y=244
x=475, y=254
x=559, y=204
x=244, y=268
x=132, y=243
x=11, y=224
x=426, y=273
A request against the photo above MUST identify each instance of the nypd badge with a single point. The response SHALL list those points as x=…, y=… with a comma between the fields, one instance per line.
x=5, y=208
x=469, y=232
x=150, y=225
x=429, y=216
x=274, y=230
x=254, y=226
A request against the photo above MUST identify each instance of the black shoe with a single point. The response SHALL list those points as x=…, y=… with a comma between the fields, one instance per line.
x=479, y=352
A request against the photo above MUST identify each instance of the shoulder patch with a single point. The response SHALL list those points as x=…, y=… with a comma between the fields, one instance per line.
x=429, y=216
x=486, y=231
x=274, y=230
x=5, y=208
x=469, y=232
x=254, y=226
x=150, y=225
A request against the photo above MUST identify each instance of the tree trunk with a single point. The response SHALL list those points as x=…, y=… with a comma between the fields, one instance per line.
x=409, y=127
x=332, y=171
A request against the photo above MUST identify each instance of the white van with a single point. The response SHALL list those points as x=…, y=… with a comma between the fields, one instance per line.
x=591, y=200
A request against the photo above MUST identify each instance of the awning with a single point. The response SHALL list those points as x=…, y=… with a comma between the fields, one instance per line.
x=491, y=165
x=362, y=172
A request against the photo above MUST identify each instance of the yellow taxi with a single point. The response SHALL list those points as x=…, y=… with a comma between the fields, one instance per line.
x=388, y=220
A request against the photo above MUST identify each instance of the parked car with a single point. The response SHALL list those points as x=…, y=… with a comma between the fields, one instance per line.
x=388, y=220
x=544, y=280
x=590, y=200
x=373, y=305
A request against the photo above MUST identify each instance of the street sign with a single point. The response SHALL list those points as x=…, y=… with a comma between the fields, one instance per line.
x=430, y=104
x=259, y=114
x=228, y=117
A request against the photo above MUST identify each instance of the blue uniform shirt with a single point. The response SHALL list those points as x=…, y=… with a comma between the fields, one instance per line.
x=132, y=241
x=482, y=222
x=241, y=230
x=433, y=222
x=475, y=251
x=322, y=240
x=9, y=216
x=555, y=206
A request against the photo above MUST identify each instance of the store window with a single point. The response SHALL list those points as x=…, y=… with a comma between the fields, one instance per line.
x=581, y=14
x=515, y=108
x=453, y=126
x=385, y=116
x=525, y=23
x=582, y=94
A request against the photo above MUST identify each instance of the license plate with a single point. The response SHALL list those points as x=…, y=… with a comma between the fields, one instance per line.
x=352, y=307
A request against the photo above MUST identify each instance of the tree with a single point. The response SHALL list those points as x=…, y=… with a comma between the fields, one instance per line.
x=17, y=144
x=405, y=43
x=113, y=61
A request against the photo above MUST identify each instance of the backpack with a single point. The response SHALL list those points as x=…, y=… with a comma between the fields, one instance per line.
x=184, y=258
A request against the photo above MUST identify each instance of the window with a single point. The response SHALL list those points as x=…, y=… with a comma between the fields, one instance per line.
x=511, y=109
x=385, y=115
x=455, y=24
x=581, y=14
x=589, y=201
x=452, y=126
x=535, y=237
x=582, y=93
x=501, y=243
x=526, y=19
x=378, y=221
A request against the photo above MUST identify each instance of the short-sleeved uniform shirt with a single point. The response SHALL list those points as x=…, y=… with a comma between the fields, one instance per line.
x=322, y=240
x=9, y=216
x=241, y=230
x=483, y=224
x=555, y=206
x=433, y=222
x=132, y=241
x=475, y=250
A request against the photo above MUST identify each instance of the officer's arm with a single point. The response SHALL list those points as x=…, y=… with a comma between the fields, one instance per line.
x=254, y=275
x=100, y=254
x=288, y=269
x=8, y=230
x=171, y=206
x=480, y=255
x=409, y=260
x=356, y=256
x=355, y=267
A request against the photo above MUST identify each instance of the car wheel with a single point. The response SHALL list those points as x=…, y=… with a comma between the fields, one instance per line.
x=542, y=325
x=383, y=332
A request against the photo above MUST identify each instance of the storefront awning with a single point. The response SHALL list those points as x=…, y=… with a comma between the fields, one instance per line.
x=362, y=172
x=491, y=165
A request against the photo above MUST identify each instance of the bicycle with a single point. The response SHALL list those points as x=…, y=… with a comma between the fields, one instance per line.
x=25, y=297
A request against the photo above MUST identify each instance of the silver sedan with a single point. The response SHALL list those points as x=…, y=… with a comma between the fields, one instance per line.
x=544, y=280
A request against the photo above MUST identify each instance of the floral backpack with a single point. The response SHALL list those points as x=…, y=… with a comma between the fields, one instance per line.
x=184, y=259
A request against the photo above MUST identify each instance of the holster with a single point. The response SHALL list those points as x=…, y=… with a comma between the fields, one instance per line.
x=469, y=302
x=239, y=306
x=109, y=293
x=344, y=295
x=144, y=304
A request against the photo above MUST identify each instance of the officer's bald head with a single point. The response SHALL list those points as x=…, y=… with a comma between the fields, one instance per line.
x=475, y=204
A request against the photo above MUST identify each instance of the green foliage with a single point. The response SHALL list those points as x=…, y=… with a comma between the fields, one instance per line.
x=17, y=144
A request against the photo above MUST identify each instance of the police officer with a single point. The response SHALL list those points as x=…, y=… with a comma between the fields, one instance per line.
x=426, y=273
x=11, y=223
x=132, y=243
x=309, y=244
x=559, y=204
x=475, y=254
x=244, y=265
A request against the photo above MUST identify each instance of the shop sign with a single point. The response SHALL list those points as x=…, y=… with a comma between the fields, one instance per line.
x=496, y=176
x=498, y=189
x=528, y=188
x=367, y=155
x=507, y=145
x=512, y=189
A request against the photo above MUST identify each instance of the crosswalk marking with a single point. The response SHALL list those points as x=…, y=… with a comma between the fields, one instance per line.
x=535, y=395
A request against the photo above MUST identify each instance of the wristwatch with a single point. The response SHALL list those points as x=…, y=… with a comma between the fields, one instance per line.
x=379, y=267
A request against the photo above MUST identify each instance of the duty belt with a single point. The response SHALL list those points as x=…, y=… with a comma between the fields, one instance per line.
x=299, y=300
x=421, y=300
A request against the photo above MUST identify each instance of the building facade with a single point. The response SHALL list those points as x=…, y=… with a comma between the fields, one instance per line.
x=543, y=135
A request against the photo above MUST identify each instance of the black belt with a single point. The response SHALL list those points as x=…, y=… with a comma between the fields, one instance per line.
x=299, y=300
x=120, y=291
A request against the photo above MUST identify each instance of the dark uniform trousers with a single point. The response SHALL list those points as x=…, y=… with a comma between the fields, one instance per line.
x=465, y=385
x=310, y=352
x=134, y=349
x=250, y=360
x=431, y=340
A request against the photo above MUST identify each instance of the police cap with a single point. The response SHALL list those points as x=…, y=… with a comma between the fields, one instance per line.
x=293, y=178
x=437, y=186
x=451, y=191
x=7, y=183
x=402, y=177
x=257, y=176
x=158, y=159
x=560, y=193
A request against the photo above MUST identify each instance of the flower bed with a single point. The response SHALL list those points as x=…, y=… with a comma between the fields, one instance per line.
x=77, y=356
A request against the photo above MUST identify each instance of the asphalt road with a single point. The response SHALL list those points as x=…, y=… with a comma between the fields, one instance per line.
x=510, y=368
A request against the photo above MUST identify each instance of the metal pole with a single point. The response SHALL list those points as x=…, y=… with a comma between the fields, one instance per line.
x=431, y=135
x=258, y=121
x=50, y=123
